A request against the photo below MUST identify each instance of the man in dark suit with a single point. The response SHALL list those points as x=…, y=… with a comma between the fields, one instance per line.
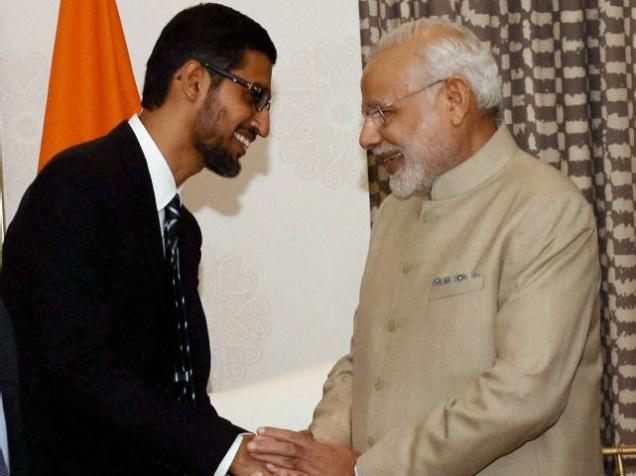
x=11, y=430
x=101, y=260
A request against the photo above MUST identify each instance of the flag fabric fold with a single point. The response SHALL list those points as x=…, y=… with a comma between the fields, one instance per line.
x=92, y=87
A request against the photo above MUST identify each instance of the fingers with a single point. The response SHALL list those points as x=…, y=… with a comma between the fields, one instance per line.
x=262, y=472
x=267, y=445
x=278, y=461
x=245, y=465
x=277, y=471
x=298, y=437
x=284, y=450
x=281, y=454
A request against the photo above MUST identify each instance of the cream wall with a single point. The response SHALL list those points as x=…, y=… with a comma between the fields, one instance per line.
x=284, y=244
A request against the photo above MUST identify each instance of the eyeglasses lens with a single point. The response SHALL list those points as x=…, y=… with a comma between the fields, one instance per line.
x=261, y=99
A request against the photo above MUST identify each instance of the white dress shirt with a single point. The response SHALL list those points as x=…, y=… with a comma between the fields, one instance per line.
x=165, y=187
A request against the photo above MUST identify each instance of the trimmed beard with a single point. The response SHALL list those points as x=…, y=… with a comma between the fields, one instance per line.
x=418, y=173
x=410, y=179
x=207, y=141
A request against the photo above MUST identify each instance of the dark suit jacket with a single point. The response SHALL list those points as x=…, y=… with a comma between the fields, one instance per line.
x=10, y=394
x=87, y=288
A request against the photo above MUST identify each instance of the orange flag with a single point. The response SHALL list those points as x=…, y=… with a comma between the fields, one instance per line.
x=92, y=87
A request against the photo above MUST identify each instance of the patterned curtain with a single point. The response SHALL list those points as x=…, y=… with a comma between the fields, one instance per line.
x=569, y=78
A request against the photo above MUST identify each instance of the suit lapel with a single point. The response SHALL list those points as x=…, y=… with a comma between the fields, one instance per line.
x=143, y=207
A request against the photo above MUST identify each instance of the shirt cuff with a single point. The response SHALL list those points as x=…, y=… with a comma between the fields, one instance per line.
x=226, y=462
x=355, y=470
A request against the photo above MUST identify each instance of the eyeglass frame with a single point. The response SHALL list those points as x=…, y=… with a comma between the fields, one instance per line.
x=377, y=113
x=263, y=98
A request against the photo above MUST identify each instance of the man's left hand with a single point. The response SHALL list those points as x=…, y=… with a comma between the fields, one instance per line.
x=291, y=453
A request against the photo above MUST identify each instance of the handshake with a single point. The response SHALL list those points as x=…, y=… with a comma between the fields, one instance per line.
x=279, y=452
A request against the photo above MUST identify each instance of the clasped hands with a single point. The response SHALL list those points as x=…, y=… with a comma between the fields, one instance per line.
x=291, y=453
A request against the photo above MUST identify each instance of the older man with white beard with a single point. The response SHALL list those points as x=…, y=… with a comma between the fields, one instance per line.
x=476, y=340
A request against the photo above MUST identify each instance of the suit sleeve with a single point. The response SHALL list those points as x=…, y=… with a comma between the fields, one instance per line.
x=74, y=316
x=332, y=416
x=549, y=293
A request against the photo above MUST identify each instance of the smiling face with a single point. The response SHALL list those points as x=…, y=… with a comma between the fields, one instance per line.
x=415, y=142
x=228, y=122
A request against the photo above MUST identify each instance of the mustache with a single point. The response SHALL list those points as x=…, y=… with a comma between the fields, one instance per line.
x=384, y=153
x=379, y=150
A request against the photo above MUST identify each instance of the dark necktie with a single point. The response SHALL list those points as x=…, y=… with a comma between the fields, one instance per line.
x=183, y=365
x=4, y=471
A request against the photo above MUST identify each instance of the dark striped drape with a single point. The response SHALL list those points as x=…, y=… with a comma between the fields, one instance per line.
x=569, y=97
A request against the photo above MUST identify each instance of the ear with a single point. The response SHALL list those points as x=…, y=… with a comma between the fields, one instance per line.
x=192, y=80
x=459, y=97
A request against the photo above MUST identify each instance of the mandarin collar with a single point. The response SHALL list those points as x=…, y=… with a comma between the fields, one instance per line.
x=478, y=168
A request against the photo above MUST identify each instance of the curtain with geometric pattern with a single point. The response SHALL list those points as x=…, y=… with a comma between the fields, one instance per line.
x=568, y=70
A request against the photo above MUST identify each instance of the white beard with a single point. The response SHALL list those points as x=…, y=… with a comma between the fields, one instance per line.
x=417, y=174
x=419, y=171
x=409, y=179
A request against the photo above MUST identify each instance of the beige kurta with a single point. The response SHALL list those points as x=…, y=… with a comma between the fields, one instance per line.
x=476, y=342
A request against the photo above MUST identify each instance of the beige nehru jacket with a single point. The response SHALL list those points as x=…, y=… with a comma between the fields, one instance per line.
x=476, y=344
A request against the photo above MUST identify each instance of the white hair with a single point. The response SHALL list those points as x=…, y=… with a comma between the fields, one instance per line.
x=455, y=52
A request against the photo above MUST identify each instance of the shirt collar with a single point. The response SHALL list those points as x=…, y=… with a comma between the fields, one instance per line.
x=163, y=183
x=476, y=169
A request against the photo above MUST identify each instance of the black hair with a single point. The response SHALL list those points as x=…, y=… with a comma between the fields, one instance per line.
x=214, y=32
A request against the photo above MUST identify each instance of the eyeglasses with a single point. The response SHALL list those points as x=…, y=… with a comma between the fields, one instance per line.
x=377, y=114
x=260, y=96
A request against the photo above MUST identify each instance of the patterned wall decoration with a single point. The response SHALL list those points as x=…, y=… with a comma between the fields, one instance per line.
x=569, y=96
x=315, y=118
x=238, y=316
x=22, y=99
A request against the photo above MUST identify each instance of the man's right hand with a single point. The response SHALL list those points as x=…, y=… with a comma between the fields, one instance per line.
x=244, y=464
x=297, y=453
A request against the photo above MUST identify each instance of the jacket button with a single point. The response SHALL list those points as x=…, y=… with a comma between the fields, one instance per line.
x=378, y=384
x=393, y=325
x=371, y=441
